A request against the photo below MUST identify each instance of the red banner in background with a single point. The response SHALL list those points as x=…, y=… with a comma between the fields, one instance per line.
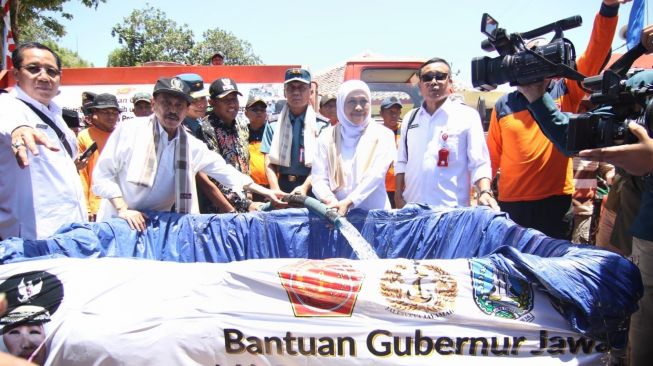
x=8, y=44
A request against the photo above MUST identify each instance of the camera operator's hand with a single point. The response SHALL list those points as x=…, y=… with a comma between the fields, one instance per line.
x=615, y=2
x=636, y=159
x=647, y=37
x=533, y=91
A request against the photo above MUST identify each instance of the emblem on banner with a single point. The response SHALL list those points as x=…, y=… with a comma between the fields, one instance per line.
x=419, y=290
x=326, y=288
x=499, y=294
x=32, y=297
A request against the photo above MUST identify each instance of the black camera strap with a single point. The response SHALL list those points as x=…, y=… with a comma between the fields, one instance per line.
x=53, y=126
x=410, y=123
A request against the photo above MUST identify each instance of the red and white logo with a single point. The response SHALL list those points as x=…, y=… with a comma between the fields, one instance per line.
x=322, y=288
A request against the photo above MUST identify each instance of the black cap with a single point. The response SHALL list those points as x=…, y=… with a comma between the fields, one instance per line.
x=174, y=86
x=104, y=101
x=390, y=102
x=32, y=297
x=222, y=87
x=296, y=74
x=71, y=117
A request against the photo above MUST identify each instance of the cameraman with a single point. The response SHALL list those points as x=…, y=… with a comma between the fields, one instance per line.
x=636, y=159
x=536, y=183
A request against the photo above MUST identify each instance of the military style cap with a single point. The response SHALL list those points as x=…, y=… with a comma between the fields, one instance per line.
x=195, y=84
x=296, y=74
x=324, y=99
x=174, y=86
x=32, y=298
x=252, y=100
x=142, y=96
x=104, y=101
x=389, y=102
x=222, y=87
x=87, y=100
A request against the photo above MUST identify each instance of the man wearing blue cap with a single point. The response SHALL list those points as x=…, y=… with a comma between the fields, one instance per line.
x=155, y=149
x=197, y=108
x=290, y=142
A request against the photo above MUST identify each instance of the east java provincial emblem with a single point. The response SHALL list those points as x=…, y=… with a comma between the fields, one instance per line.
x=499, y=294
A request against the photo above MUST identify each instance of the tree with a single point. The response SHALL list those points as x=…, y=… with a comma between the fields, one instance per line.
x=148, y=35
x=236, y=51
x=24, y=12
x=68, y=57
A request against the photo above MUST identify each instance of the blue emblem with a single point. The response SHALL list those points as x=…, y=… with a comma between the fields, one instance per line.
x=499, y=294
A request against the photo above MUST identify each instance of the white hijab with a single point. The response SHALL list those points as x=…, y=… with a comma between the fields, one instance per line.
x=350, y=131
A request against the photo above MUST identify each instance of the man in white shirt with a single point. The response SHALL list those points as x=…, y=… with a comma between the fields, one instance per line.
x=40, y=187
x=446, y=149
x=150, y=163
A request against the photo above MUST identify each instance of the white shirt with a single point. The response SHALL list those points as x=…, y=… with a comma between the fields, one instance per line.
x=456, y=128
x=110, y=173
x=367, y=192
x=37, y=200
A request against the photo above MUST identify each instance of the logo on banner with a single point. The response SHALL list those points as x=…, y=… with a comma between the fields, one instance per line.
x=326, y=288
x=498, y=294
x=419, y=290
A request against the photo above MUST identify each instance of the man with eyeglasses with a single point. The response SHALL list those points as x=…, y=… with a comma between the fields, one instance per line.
x=442, y=147
x=290, y=143
x=40, y=187
x=104, y=115
x=225, y=131
x=536, y=179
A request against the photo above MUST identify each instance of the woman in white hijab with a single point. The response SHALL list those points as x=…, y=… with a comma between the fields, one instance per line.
x=354, y=155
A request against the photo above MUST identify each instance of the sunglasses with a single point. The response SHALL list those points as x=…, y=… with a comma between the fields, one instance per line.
x=438, y=76
x=36, y=69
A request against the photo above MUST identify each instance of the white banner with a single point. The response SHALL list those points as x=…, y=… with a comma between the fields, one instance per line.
x=284, y=312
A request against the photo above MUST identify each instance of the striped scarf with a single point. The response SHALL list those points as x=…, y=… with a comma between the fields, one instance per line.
x=144, y=165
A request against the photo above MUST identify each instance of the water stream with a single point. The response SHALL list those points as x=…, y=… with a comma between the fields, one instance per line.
x=361, y=247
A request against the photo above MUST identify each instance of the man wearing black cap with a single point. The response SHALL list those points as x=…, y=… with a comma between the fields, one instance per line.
x=390, y=112
x=225, y=131
x=104, y=111
x=157, y=149
x=290, y=143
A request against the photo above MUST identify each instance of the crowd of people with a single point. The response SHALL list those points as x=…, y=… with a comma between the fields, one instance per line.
x=191, y=150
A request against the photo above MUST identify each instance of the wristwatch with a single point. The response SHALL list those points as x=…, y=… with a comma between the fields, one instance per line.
x=488, y=191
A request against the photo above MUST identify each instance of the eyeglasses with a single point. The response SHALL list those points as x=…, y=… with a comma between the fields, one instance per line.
x=36, y=69
x=438, y=76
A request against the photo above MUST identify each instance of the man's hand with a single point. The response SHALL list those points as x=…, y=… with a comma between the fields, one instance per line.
x=399, y=200
x=636, y=159
x=486, y=199
x=81, y=163
x=135, y=219
x=342, y=206
x=533, y=91
x=26, y=138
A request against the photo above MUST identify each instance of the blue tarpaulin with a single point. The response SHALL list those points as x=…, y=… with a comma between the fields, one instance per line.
x=594, y=289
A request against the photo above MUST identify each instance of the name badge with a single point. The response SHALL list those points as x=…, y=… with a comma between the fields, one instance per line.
x=42, y=126
x=413, y=126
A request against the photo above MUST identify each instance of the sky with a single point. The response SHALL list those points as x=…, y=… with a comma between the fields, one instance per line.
x=324, y=34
